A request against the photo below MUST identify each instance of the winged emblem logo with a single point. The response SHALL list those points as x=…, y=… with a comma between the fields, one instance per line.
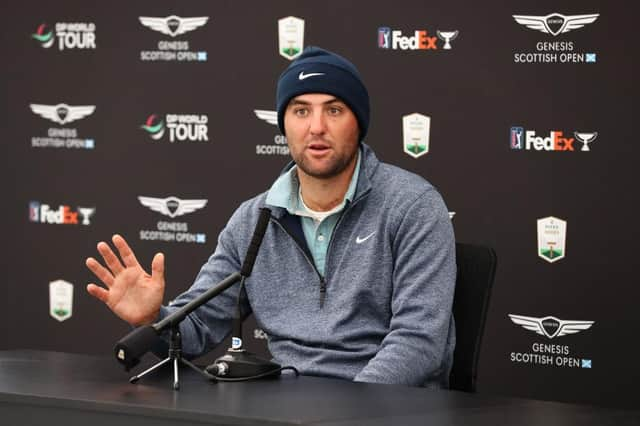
x=173, y=25
x=270, y=117
x=172, y=206
x=555, y=23
x=62, y=113
x=550, y=326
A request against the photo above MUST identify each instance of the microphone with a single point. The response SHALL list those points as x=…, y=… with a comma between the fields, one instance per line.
x=237, y=364
x=130, y=348
x=256, y=241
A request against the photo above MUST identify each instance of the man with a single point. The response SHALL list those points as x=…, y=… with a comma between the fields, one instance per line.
x=355, y=276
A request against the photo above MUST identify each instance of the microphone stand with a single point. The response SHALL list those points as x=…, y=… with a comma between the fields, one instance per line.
x=174, y=356
x=237, y=364
x=140, y=340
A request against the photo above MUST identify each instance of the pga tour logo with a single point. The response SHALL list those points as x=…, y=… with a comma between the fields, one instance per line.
x=421, y=40
x=556, y=140
x=62, y=215
x=70, y=35
x=182, y=127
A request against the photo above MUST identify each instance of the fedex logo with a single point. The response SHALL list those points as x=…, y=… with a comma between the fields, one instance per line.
x=63, y=215
x=393, y=39
x=520, y=139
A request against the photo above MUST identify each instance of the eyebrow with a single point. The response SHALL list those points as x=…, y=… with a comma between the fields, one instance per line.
x=297, y=101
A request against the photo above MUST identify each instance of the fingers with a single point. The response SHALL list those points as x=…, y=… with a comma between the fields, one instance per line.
x=110, y=258
x=157, y=268
x=100, y=271
x=125, y=251
x=98, y=292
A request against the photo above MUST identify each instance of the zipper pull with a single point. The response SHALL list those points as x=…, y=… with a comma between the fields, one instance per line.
x=323, y=291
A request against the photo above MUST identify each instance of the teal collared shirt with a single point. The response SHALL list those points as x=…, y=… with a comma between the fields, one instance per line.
x=285, y=193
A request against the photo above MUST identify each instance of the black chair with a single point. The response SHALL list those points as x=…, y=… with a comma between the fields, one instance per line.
x=476, y=273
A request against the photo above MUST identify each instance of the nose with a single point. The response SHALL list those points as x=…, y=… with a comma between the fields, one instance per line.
x=317, y=124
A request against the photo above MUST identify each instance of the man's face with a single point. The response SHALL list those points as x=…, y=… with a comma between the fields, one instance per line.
x=322, y=133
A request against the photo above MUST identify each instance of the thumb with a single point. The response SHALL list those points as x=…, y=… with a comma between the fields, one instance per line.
x=157, y=267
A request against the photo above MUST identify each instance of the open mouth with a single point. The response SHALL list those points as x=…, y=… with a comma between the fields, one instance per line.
x=319, y=148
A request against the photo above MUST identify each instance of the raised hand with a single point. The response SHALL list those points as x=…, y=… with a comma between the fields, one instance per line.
x=130, y=292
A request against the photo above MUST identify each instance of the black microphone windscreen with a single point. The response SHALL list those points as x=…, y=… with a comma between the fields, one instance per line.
x=131, y=347
x=258, y=234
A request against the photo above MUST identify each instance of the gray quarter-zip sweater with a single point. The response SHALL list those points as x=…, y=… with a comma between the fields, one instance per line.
x=382, y=312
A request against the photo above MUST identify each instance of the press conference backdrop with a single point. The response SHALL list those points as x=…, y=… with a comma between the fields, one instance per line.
x=156, y=119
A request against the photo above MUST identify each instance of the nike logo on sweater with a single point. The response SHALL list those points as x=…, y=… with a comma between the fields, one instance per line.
x=303, y=76
x=362, y=240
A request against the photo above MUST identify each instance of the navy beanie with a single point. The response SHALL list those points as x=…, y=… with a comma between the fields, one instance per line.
x=320, y=71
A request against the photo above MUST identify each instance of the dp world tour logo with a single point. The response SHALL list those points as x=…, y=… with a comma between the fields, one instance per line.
x=181, y=127
x=44, y=35
x=154, y=126
x=70, y=35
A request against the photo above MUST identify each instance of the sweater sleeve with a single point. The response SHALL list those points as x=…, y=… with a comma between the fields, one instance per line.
x=419, y=345
x=209, y=324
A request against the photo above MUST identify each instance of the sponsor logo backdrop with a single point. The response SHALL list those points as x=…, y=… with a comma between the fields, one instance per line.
x=156, y=119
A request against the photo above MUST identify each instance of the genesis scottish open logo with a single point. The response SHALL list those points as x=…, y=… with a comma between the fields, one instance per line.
x=182, y=127
x=70, y=35
x=172, y=207
x=62, y=113
x=550, y=326
x=173, y=50
x=279, y=146
x=553, y=25
x=420, y=40
x=546, y=354
x=62, y=137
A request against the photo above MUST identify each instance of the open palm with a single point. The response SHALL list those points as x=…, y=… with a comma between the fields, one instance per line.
x=131, y=293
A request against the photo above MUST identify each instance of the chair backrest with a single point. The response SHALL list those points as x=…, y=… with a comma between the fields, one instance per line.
x=476, y=273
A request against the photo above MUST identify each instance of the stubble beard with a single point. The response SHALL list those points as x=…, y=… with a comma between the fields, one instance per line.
x=339, y=164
